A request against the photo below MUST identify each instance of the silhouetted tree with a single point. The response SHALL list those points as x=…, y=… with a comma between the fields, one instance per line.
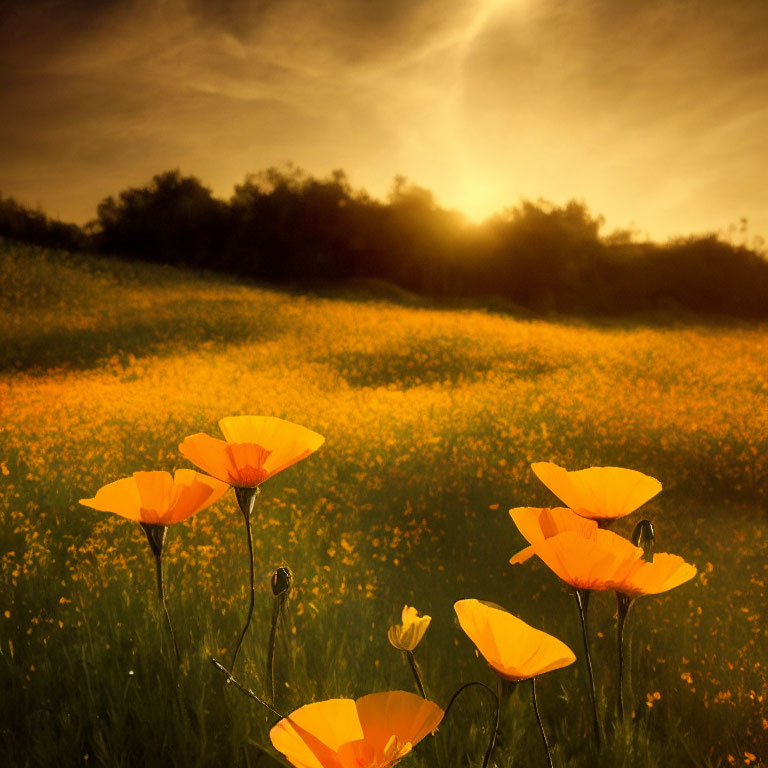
x=421, y=239
x=284, y=225
x=173, y=219
x=18, y=222
x=295, y=227
x=540, y=254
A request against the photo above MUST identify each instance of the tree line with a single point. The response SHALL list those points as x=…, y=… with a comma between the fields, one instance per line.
x=285, y=226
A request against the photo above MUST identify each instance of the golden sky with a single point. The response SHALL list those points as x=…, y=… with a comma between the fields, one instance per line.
x=653, y=112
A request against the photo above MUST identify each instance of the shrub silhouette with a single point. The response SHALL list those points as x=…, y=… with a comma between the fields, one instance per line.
x=174, y=219
x=19, y=223
x=285, y=226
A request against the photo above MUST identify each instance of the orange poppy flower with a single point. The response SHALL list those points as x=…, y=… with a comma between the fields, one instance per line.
x=599, y=493
x=587, y=557
x=157, y=498
x=513, y=649
x=255, y=449
x=538, y=525
x=596, y=562
x=375, y=731
x=663, y=573
x=407, y=635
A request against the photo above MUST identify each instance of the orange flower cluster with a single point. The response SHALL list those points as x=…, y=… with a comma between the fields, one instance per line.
x=401, y=393
x=376, y=730
x=256, y=448
x=584, y=555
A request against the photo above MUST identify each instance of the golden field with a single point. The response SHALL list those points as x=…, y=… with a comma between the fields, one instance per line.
x=431, y=418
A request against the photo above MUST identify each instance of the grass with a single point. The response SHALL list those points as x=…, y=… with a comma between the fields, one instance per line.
x=431, y=419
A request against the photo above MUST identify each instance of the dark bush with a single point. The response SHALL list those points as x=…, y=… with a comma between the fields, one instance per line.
x=285, y=226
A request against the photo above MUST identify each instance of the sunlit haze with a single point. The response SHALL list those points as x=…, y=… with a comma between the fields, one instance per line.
x=652, y=113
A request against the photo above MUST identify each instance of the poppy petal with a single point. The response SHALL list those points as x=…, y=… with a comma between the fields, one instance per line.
x=665, y=572
x=513, y=649
x=210, y=454
x=600, y=493
x=192, y=492
x=590, y=563
x=121, y=497
x=404, y=715
x=310, y=736
x=155, y=490
x=286, y=441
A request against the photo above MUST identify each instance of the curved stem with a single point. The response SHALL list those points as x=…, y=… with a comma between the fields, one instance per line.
x=247, y=691
x=624, y=604
x=464, y=688
x=495, y=733
x=538, y=719
x=582, y=598
x=416, y=673
x=245, y=499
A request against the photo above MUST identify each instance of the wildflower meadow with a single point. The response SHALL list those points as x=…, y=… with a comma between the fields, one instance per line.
x=299, y=512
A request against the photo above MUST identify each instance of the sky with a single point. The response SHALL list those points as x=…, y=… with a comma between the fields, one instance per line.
x=652, y=112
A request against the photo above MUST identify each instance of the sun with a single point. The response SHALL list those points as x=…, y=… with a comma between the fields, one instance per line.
x=476, y=198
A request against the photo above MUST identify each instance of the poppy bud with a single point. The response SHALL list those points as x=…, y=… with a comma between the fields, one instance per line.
x=281, y=580
x=644, y=536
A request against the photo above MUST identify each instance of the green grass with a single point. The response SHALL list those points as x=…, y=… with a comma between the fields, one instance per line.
x=432, y=417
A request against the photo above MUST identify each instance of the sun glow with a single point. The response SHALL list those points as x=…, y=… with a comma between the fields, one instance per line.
x=476, y=198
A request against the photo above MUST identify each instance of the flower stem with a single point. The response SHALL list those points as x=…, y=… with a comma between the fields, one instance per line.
x=156, y=538
x=245, y=500
x=582, y=598
x=460, y=690
x=416, y=673
x=280, y=582
x=161, y=591
x=271, y=649
x=492, y=744
x=624, y=604
x=247, y=691
x=538, y=719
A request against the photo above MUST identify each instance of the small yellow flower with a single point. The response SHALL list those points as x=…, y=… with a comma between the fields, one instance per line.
x=407, y=635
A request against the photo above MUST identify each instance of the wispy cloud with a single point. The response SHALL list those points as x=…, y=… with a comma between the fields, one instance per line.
x=651, y=112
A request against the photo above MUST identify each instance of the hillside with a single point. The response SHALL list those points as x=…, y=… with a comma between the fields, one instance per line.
x=431, y=418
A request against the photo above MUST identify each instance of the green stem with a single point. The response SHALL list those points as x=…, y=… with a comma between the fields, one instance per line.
x=245, y=499
x=281, y=581
x=156, y=538
x=460, y=690
x=247, y=691
x=582, y=598
x=624, y=604
x=271, y=648
x=416, y=673
x=492, y=744
x=538, y=720
x=161, y=592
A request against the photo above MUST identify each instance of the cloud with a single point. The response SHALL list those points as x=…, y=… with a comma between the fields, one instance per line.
x=649, y=111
